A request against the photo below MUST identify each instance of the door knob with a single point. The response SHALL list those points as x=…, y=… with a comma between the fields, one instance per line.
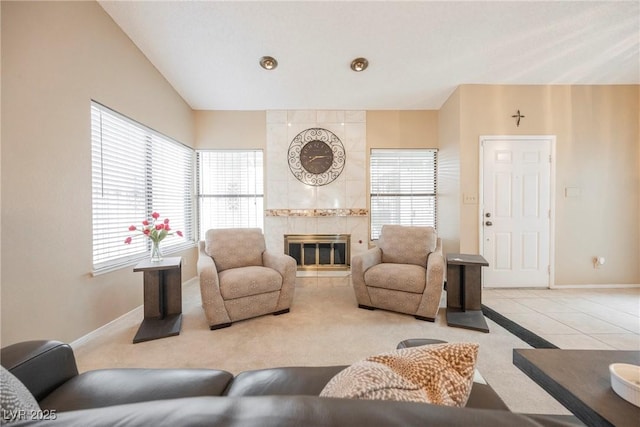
x=488, y=223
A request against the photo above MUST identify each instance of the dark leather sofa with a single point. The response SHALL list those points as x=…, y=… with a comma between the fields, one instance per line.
x=207, y=397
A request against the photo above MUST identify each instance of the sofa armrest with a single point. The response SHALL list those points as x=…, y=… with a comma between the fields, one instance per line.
x=42, y=366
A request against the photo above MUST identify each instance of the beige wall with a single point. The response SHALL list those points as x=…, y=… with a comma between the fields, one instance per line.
x=449, y=174
x=231, y=129
x=402, y=129
x=56, y=57
x=596, y=151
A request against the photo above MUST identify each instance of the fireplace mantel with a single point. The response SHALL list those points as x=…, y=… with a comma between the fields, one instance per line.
x=316, y=212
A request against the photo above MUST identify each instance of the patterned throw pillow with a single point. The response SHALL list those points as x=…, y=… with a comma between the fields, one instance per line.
x=438, y=373
x=16, y=400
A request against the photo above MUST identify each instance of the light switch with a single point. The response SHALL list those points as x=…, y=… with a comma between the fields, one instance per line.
x=469, y=199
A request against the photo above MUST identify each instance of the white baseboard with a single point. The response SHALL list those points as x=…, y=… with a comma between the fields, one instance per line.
x=83, y=339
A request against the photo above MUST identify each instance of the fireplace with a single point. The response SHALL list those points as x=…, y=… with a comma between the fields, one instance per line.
x=319, y=251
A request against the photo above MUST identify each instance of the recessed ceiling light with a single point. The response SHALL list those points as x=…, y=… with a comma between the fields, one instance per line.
x=359, y=64
x=268, y=62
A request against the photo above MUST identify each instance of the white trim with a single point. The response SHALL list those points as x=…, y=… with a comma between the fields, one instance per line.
x=552, y=193
x=102, y=329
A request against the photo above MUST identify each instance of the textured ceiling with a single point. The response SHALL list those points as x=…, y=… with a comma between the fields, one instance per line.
x=418, y=52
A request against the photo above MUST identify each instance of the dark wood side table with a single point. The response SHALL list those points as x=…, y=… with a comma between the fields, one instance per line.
x=580, y=380
x=464, y=292
x=162, y=299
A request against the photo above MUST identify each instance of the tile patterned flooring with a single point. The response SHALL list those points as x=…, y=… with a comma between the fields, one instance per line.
x=592, y=318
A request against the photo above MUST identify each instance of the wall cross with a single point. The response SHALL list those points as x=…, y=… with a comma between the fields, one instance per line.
x=518, y=117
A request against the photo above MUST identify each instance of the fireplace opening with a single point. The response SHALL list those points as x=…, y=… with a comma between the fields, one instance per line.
x=319, y=251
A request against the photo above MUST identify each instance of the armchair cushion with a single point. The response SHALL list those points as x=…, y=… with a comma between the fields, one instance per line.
x=407, y=245
x=235, y=247
x=246, y=281
x=399, y=277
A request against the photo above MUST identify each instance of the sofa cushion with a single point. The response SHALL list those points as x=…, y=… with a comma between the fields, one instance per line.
x=307, y=380
x=246, y=281
x=407, y=245
x=108, y=387
x=235, y=247
x=16, y=400
x=439, y=373
x=397, y=277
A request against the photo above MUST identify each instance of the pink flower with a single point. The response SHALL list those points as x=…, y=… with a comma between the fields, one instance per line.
x=166, y=220
x=155, y=215
x=145, y=222
x=159, y=226
x=127, y=240
x=146, y=231
x=166, y=227
x=132, y=228
x=179, y=233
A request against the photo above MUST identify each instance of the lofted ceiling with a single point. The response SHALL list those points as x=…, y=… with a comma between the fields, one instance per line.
x=418, y=51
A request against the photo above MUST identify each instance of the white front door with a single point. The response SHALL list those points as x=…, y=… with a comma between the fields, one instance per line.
x=516, y=211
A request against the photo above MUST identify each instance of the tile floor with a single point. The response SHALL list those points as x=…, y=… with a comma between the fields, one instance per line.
x=574, y=318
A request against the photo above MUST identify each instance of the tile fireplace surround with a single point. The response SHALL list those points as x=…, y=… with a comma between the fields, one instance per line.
x=339, y=207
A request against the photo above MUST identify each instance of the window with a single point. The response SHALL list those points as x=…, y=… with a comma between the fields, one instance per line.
x=230, y=189
x=135, y=172
x=403, y=188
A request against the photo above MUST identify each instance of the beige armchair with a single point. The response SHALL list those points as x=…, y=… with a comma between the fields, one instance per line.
x=404, y=273
x=240, y=279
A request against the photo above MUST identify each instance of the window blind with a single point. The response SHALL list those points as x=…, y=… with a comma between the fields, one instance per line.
x=230, y=189
x=135, y=172
x=403, y=188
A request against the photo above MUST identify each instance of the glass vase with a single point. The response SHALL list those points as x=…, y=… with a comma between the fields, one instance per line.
x=156, y=255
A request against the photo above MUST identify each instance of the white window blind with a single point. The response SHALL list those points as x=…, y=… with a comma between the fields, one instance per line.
x=135, y=172
x=403, y=188
x=230, y=189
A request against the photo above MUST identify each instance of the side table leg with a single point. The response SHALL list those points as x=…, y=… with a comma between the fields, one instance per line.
x=153, y=298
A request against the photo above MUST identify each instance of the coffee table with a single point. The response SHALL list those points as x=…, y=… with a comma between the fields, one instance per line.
x=580, y=380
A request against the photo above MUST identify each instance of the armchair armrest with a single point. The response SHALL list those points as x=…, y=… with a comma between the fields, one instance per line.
x=205, y=262
x=286, y=266
x=42, y=366
x=212, y=303
x=428, y=308
x=364, y=261
x=359, y=265
x=283, y=264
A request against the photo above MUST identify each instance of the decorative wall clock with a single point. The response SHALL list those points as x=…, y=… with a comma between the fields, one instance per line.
x=316, y=156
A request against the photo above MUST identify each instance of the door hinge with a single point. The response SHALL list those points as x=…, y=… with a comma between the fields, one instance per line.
x=549, y=158
x=548, y=269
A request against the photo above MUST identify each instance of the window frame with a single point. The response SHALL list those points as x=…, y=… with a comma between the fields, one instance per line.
x=123, y=195
x=376, y=194
x=258, y=183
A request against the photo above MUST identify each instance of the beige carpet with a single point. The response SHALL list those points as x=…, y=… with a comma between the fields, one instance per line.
x=324, y=327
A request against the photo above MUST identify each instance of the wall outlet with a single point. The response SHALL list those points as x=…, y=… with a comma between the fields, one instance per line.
x=470, y=199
